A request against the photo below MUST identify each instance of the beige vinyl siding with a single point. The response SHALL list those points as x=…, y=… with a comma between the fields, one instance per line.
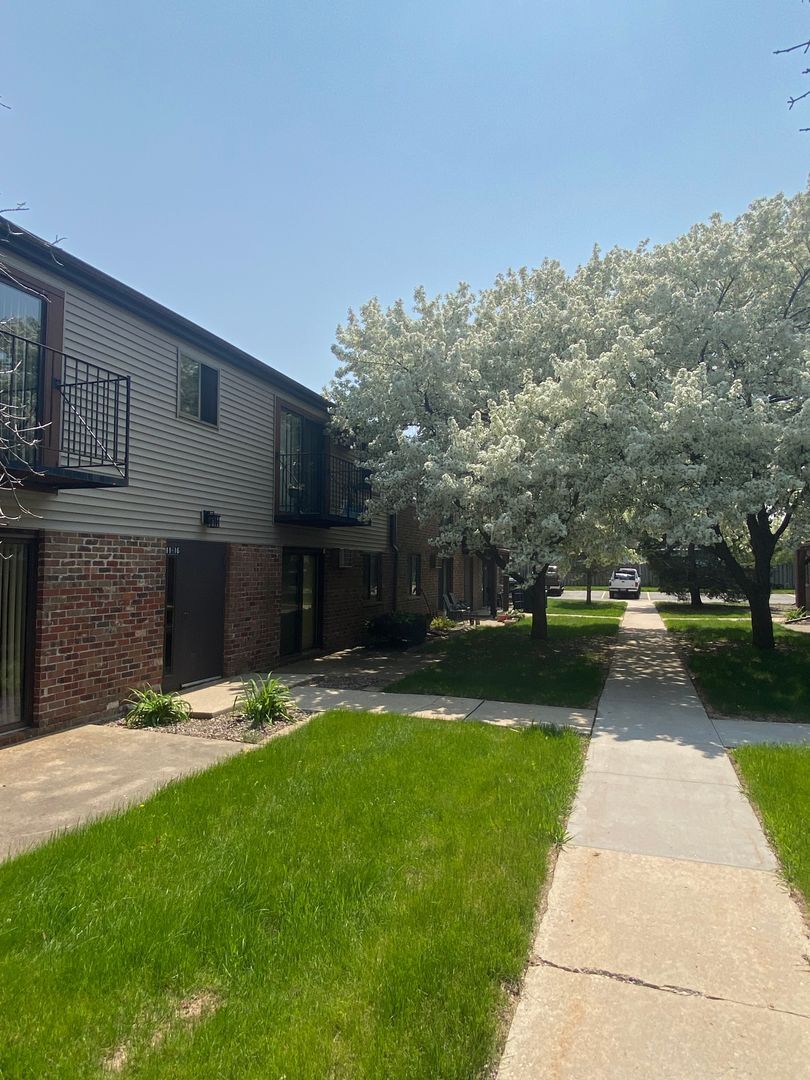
x=178, y=466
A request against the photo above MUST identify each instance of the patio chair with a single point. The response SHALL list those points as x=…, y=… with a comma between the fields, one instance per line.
x=453, y=608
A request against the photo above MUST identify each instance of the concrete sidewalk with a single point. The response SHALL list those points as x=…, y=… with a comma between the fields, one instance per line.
x=670, y=947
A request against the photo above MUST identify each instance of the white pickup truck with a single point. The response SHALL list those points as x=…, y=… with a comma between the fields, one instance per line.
x=625, y=583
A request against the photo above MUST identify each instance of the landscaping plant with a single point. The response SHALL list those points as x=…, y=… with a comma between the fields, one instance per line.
x=264, y=701
x=395, y=629
x=151, y=708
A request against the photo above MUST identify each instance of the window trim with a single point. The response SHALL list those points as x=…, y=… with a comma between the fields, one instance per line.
x=372, y=559
x=415, y=574
x=54, y=343
x=283, y=405
x=184, y=353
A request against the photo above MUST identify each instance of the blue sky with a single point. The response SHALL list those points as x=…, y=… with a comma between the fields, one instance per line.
x=261, y=167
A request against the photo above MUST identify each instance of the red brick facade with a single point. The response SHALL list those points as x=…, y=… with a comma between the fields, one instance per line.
x=100, y=607
x=252, y=607
x=99, y=623
x=345, y=607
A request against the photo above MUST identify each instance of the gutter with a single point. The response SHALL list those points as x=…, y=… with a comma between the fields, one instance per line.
x=35, y=250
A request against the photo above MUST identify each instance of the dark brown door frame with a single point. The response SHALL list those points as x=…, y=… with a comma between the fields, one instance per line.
x=31, y=541
x=320, y=564
x=50, y=413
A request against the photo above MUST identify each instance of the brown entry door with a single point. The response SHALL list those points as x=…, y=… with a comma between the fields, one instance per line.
x=195, y=612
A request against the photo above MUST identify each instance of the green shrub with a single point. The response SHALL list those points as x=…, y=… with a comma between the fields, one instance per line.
x=151, y=708
x=395, y=629
x=264, y=701
x=441, y=622
x=794, y=614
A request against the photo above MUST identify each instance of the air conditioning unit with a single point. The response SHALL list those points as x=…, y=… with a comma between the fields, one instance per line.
x=344, y=559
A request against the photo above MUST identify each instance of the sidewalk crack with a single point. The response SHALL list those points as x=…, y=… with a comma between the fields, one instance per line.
x=667, y=988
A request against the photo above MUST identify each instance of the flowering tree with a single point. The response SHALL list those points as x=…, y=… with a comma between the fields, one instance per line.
x=669, y=388
x=458, y=408
x=719, y=409
x=408, y=382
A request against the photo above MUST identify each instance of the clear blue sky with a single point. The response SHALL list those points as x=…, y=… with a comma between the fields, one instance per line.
x=261, y=166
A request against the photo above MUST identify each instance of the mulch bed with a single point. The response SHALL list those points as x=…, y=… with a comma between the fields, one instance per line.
x=230, y=726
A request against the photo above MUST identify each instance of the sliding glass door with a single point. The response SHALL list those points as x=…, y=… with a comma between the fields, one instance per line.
x=300, y=607
x=16, y=569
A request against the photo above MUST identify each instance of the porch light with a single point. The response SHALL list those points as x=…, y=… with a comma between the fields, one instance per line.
x=210, y=519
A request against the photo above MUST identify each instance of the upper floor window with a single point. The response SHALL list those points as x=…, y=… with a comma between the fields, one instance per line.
x=198, y=393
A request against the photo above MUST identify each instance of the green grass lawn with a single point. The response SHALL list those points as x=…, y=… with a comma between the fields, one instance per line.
x=352, y=900
x=503, y=663
x=735, y=678
x=778, y=780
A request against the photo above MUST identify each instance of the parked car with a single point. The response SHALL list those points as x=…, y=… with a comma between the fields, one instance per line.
x=625, y=583
x=519, y=589
x=554, y=583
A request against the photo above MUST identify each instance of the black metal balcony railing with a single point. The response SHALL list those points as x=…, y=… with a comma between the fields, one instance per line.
x=67, y=422
x=321, y=489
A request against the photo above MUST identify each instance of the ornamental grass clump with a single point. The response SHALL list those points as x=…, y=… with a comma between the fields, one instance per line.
x=264, y=701
x=151, y=708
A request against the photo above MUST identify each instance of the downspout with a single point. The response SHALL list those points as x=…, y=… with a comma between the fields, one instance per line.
x=392, y=542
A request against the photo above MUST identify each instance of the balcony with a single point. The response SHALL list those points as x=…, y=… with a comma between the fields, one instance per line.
x=69, y=419
x=321, y=490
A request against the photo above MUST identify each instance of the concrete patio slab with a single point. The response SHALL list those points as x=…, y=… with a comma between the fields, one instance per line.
x=319, y=699
x=594, y=1027
x=509, y=714
x=675, y=819
x=756, y=732
x=720, y=930
x=219, y=697
x=55, y=783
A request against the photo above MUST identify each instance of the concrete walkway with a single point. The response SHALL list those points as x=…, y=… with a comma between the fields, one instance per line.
x=670, y=947
x=51, y=784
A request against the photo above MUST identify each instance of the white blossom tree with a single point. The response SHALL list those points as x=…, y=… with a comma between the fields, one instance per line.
x=667, y=386
x=719, y=408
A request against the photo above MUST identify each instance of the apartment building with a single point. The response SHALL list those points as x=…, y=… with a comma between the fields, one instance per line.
x=185, y=512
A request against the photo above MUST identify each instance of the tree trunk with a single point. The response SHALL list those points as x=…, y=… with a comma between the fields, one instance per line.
x=757, y=584
x=759, y=601
x=492, y=570
x=692, y=578
x=539, y=607
x=588, y=585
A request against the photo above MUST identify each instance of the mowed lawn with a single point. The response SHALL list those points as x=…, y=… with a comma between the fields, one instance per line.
x=353, y=900
x=778, y=780
x=503, y=664
x=735, y=678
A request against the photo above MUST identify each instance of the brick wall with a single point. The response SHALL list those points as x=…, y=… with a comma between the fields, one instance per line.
x=345, y=607
x=412, y=539
x=99, y=625
x=252, y=608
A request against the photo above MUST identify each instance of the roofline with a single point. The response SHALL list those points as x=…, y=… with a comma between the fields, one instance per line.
x=44, y=255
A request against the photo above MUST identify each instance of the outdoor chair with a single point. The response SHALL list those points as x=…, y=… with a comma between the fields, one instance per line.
x=454, y=607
